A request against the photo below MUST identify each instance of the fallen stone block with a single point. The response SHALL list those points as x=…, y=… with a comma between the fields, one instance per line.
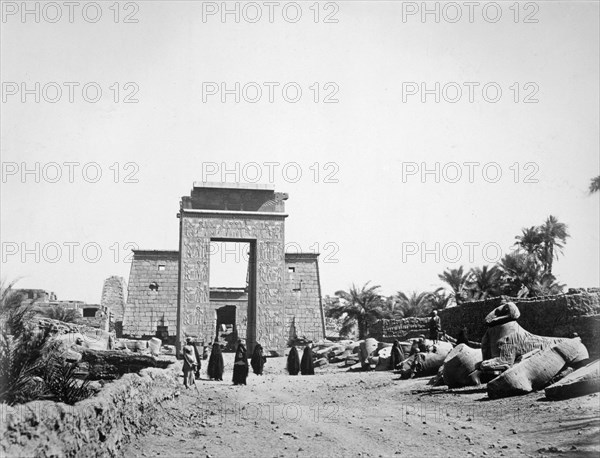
x=154, y=346
x=459, y=366
x=112, y=364
x=135, y=345
x=585, y=380
x=536, y=369
x=424, y=363
x=168, y=350
x=321, y=362
x=324, y=343
x=385, y=352
x=367, y=348
x=341, y=357
x=351, y=361
x=72, y=356
x=321, y=352
x=96, y=339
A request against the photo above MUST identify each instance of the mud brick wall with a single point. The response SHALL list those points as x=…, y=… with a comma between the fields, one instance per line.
x=405, y=328
x=114, y=296
x=98, y=426
x=303, y=309
x=149, y=311
x=557, y=316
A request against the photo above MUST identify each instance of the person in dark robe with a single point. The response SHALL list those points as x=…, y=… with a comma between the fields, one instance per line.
x=397, y=355
x=240, y=365
x=215, y=363
x=307, y=366
x=189, y=363
x=258, y=359
x=435, y=327
x=293, y=362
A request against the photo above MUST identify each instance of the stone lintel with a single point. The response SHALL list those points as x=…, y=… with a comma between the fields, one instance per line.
x=162, y=254
x=301, y=256
x=225, y=185
x=233, y=213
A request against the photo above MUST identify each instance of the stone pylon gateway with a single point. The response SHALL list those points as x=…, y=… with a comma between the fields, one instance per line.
x=282, y=297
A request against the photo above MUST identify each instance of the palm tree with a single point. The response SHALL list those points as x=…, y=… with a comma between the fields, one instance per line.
x=21, y=347
x=417, y=304
x=359, y=306
x=595, y=185
x=520, y=272
x=530, y=240
x=439, y=299
x=32, y=366
x=547, y=285
x=485, y=282
x=60, y=313
x=458, y=281
x=554, y=234
x=392, y=306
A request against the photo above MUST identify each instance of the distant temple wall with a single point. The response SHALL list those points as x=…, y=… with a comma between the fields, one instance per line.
x=151, y=308
x=114, y=296
x=148, y=312
x=302, y=300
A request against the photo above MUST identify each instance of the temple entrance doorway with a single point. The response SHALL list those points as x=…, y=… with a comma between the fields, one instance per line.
x=232, y=286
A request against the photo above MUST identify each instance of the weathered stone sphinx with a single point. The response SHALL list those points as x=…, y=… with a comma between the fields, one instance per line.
x=506, y=345
x=461, y=366
x=425, y=363
x=506, y=341
x=583, y=381
x=536, y=369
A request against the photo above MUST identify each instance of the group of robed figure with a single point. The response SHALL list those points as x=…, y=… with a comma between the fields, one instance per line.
x=305, y=366
x=191, y=363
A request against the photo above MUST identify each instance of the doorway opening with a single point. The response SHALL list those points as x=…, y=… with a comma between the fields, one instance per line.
x=232, y=286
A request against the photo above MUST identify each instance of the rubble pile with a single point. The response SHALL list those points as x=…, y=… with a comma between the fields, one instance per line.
x=367, y=354
x=510, y=360
x=98, y=355
x=513, y=361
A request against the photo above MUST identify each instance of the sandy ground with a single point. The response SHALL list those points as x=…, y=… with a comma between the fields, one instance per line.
x=365, y=414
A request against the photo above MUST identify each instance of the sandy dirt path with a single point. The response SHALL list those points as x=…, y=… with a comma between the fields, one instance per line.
x=367, y=414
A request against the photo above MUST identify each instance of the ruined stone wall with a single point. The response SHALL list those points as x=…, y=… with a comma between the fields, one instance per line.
x=98, y=426
x=114, y=296
x=148, y=312
x=301, y=305
x=100, y=322
x=303, y=296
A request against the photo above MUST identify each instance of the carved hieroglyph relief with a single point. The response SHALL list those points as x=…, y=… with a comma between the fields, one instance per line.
x=268, y=236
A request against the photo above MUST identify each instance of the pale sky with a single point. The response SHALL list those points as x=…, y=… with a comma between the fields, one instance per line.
x=370, y=215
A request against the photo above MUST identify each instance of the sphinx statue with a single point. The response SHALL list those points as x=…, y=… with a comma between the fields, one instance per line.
x=505, y=346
